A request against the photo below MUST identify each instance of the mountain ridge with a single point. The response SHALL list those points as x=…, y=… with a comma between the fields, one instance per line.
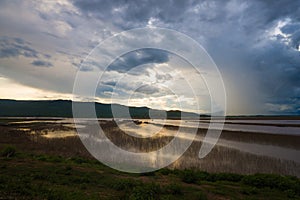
x=63, y=108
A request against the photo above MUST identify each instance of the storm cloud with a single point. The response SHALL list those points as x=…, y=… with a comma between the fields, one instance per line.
x=139, y=57
x=255, y=45
x=41, y=63
x=13, y=47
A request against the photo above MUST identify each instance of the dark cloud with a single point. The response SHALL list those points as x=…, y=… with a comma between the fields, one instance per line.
x=126, y=88
x=53, y=35
x=163, y=77
x=233, y=32
x=147, y=89
x=41, y=63
x=274, y=10
x=86, y=66
x=130, y=14
x=295, y=40
x=292, y=31
x=48, y=56
x=9, y=52
x=13, y=47
x=290, y=28
x=135, y=58
x=290, y=106
x=83, y=68
x=277, y=67
x=19, y=40
x=103, y=89
x=124, y=85
x=109, y=83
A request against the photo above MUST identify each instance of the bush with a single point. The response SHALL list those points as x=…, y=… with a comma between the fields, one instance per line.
x=8, y=151
x=145, y=192
x=124, y=184
x=201, y=196
x=205, y=176
x=219, y=177
x=78, y=160
x=174, y=189
x=283, y=183
x=147, y=174
x=249, y=191
x=188, y=176
x=165, y=171
x=290, y=193
x=228, y=177
x=41, y=158
x=55, y=159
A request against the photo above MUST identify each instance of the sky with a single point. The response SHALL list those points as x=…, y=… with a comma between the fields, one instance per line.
x=255, y=45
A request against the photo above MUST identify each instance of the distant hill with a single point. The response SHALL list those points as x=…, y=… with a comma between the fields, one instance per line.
x=63, y=108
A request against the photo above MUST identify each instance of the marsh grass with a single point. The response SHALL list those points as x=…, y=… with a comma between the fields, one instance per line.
x=55, y=177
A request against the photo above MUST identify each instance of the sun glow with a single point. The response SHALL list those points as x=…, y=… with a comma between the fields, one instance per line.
x=12, y=90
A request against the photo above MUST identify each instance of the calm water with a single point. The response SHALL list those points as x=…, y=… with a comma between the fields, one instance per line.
x=276, y=151
x=245, y=127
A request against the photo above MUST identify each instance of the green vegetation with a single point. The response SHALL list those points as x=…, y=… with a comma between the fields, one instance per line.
x=8, y=151
x=33, y=176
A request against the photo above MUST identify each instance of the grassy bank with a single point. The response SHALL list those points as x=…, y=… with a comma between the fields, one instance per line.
x=39, y=176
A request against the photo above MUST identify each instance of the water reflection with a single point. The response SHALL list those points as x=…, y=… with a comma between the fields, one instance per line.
x=247, y=127
x=263, y=150
x=270, y=149
x=59, y=134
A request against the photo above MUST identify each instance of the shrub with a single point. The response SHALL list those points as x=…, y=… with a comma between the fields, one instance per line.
x=124, y=184
x=147, y=174
x=41, y=158
x=174, y=189
x=145, y=192
x=290, y=193
x=165, y=171
x=200, y=196
x=78, y=160
x=228, y=177
x=188, y=176
x=8, y=151
x=249, y=191
x=204, y=176
x=283, y=183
